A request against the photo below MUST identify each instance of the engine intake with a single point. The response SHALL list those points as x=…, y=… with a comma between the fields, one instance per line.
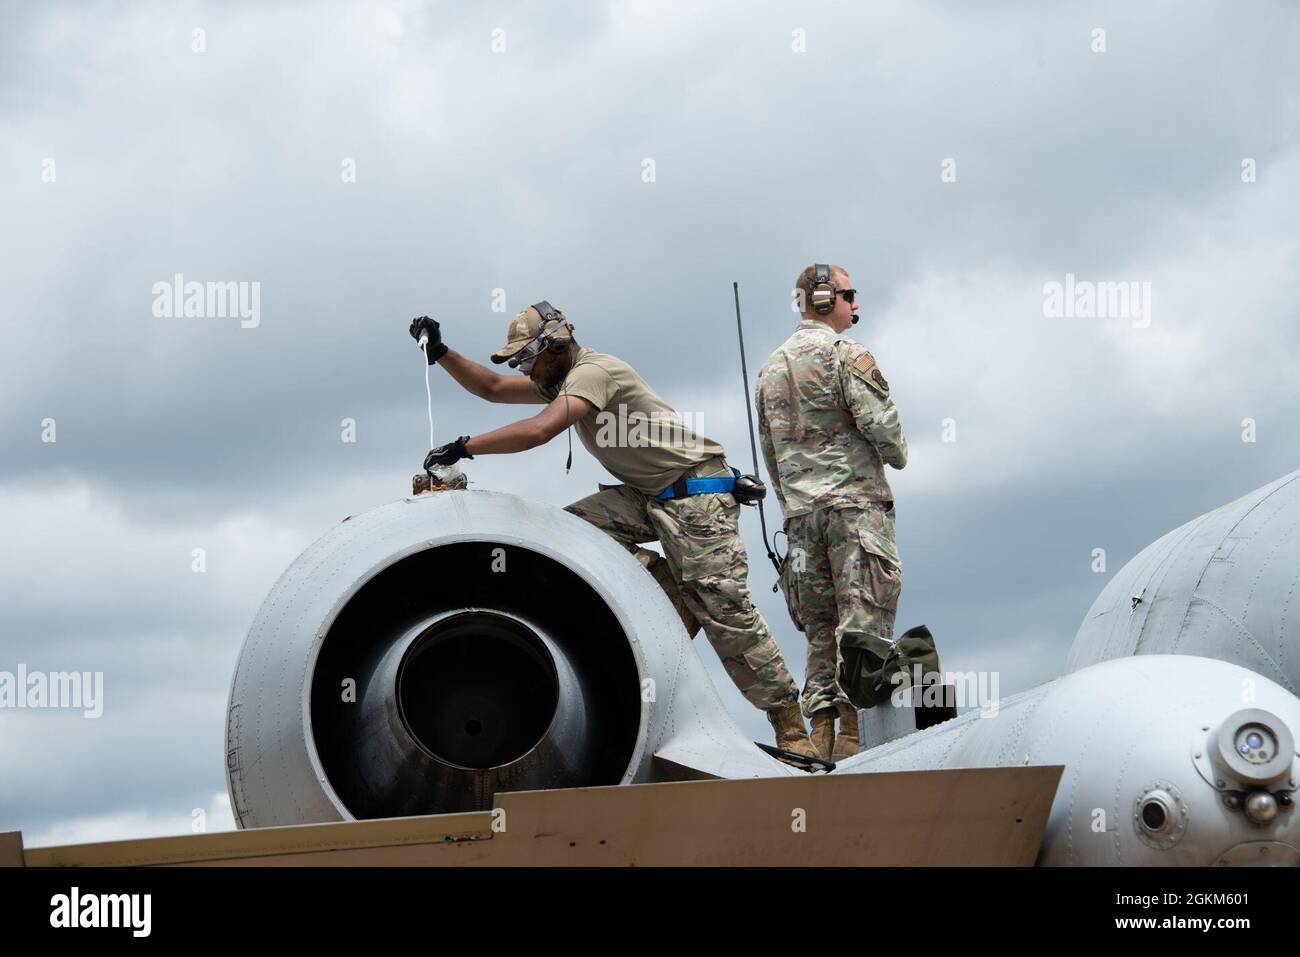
x=470, y=681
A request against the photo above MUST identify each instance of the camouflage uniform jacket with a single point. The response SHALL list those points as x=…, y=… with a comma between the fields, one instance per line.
x=827, y=421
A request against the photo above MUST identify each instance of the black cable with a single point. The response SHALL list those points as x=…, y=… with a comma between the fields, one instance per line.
x=568, y=463
x=753, y=447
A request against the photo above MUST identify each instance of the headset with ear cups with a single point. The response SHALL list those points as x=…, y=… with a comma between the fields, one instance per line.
x=548, y=313
x=823, y=290
x=551, y=317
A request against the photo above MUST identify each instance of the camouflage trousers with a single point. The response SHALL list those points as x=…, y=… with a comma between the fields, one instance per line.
x=841, y=580
x=704, y=571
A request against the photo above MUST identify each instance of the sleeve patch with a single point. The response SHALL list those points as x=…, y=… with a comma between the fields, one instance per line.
x=865, y=368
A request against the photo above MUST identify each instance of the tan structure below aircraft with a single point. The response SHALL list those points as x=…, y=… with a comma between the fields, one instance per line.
x=992, y=816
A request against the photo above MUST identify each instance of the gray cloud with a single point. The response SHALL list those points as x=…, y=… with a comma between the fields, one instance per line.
x=522, y=170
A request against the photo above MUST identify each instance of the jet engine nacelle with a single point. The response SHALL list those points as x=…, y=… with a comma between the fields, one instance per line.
x=1169, y=760
x=1223, y=586
x=425, y=655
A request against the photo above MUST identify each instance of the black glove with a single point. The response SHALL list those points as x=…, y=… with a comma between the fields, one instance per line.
x=448, y=454
x=422, y=324
x=749, y=490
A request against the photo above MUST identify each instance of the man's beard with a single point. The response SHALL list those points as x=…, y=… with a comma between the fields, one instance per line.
x=554, y=378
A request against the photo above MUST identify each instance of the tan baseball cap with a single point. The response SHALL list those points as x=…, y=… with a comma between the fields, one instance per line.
x=524, y=328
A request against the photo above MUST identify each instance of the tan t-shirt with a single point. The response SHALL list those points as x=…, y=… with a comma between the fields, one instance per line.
x=636, y=435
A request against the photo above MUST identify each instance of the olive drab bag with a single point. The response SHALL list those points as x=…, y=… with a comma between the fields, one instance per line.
x=867, y=681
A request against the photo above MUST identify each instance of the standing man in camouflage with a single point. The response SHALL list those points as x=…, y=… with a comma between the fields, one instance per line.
x=829, y=427
x=676, y=489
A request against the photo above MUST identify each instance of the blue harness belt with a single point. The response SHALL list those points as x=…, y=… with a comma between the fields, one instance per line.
x=699, y=486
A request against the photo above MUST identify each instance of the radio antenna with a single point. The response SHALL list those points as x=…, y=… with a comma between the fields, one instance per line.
x=753, y=447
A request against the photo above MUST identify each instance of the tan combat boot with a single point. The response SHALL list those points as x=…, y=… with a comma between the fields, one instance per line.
x=823, y=732
x=846, y=741
x=791, y=735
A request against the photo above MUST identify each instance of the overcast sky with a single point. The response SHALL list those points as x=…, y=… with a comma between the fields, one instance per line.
x=626, y=161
